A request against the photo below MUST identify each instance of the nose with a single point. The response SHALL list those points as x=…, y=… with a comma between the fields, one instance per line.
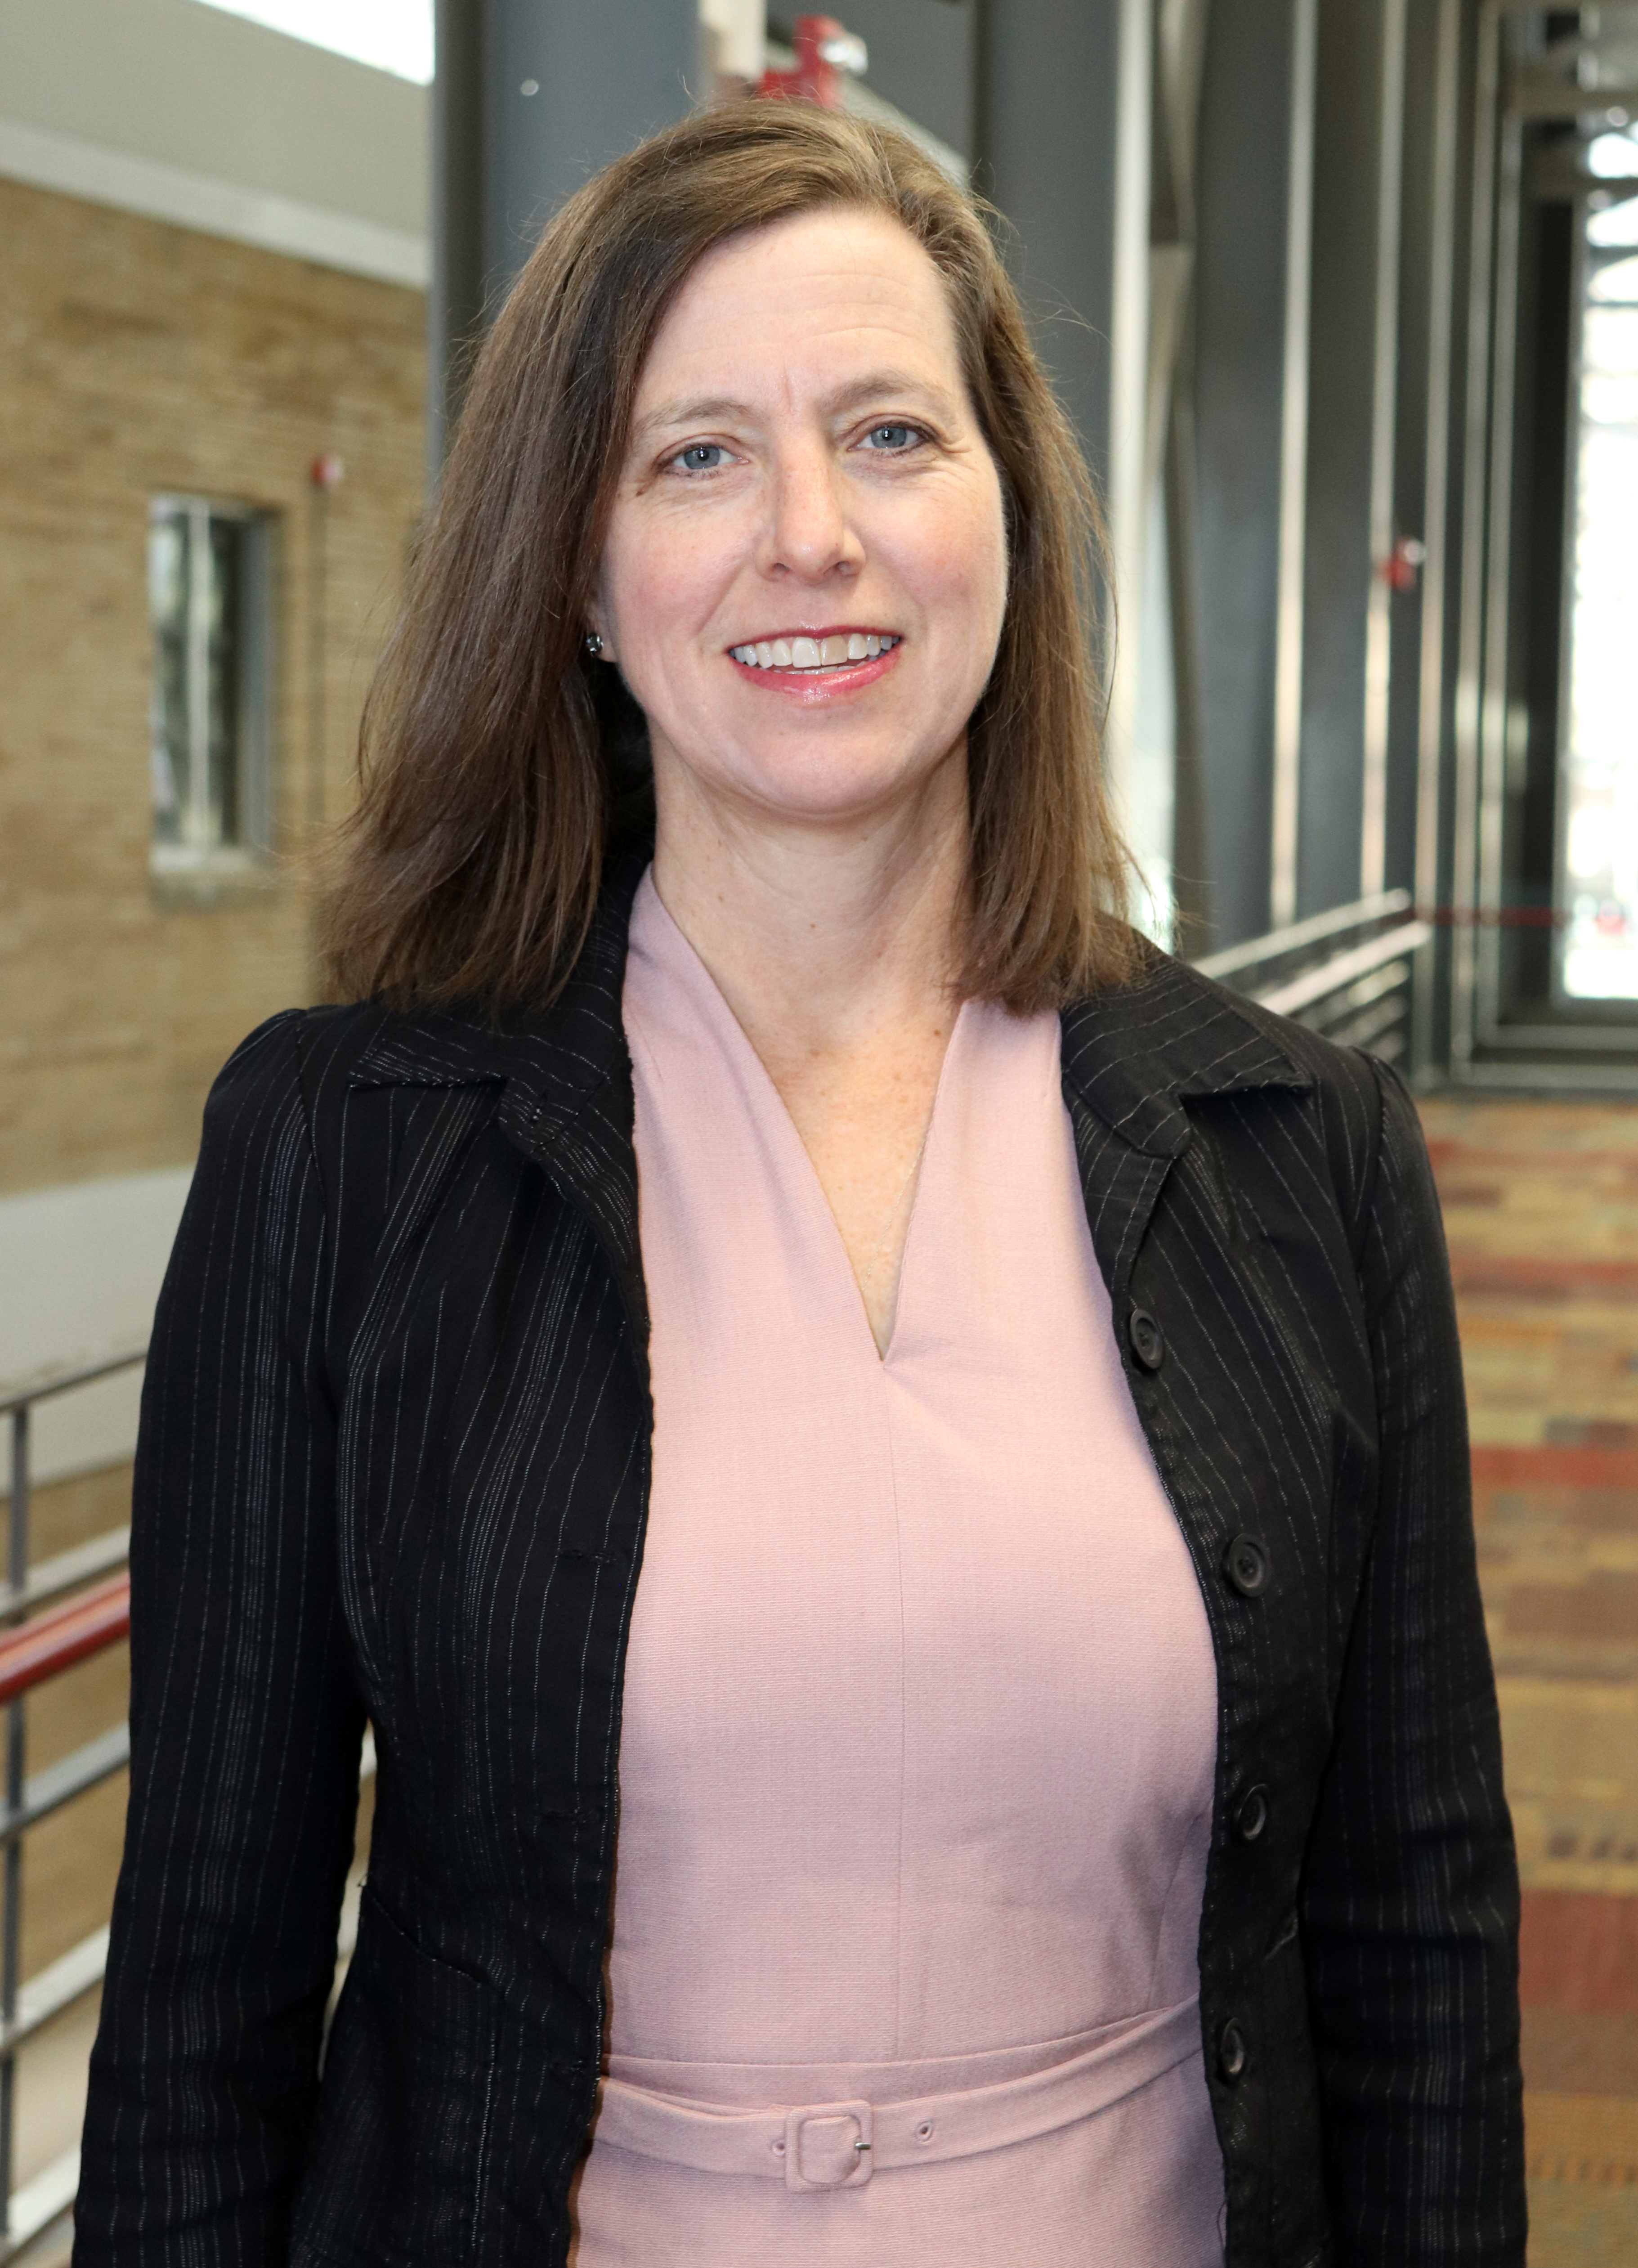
x=809, y=534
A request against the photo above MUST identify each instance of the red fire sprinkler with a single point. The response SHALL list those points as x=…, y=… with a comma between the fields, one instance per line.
x=824, y=49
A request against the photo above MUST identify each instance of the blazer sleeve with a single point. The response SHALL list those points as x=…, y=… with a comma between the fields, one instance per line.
x=245, y=1727
x=1410, y=1911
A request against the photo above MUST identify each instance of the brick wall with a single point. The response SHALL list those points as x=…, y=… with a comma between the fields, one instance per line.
x=136, y=357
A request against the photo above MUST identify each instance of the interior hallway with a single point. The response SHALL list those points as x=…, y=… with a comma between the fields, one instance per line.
x=1541, y=1209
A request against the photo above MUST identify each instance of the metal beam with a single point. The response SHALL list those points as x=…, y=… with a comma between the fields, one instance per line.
x=1384, y=533
x=921, y=56
x=530, y=98
x=1288, y=606
x=1237, y=384
x=1348, y=503
x=1539, y=89
x=1064, y=109
x=455, y=304
x=1428, y=440
x=1044, y=131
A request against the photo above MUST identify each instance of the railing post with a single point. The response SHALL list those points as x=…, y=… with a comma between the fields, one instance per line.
x=11, y=1907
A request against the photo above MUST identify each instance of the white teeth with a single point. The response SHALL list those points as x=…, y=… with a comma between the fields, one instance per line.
x=813, y=653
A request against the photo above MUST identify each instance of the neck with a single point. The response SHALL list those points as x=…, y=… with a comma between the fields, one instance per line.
x=820, y=935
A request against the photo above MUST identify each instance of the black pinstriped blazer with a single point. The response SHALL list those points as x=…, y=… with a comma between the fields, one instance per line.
x=394, y=1464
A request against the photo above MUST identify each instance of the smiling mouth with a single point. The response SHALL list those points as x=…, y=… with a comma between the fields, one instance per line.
x=834, y=651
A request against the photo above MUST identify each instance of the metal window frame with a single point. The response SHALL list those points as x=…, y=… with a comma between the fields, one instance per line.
x=252, y=847
x=1485, y=1051
x=1570, y=514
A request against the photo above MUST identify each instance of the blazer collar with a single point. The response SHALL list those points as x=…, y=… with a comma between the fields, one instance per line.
x=1133, y=1055
x=554, y=1062
x=565, y=1080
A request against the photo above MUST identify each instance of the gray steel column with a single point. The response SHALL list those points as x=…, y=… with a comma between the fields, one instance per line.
x=1355, y=277
x=1238, y=395
x=1044, y=131
x=530, y=98
x=921, y=57
x=1419, y=778
x=455, y=306
x=1289, y=626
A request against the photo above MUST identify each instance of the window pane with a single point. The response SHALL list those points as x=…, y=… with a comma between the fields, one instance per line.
x=224, y=602
x=1600, y=950
x=169, y=736
x=208, y=589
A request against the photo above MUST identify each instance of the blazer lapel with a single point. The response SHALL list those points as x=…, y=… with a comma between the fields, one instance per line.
x=567, y=1100
x=1130, y=1060
x=572, y=1109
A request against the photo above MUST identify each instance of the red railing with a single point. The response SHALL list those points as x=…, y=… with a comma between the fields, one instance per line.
x=55, y=1640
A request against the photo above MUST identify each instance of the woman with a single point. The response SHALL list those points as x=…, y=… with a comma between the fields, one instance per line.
x=1058, y=1800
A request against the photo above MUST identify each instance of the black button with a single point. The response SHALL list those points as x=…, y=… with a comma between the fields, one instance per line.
x=1245, y=1564
x=1233, y=2055
x=1147, y=1343
x=1250, y=1814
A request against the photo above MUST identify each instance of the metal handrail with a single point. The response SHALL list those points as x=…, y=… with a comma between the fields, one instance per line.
x=1316, y=984
x=46, y=1384
x=57, y=1986
x=1279, y=944
x=50, y=1579
x=76, y=1773
x=31, y=1651
x=54, y=1641
x=1349, y=973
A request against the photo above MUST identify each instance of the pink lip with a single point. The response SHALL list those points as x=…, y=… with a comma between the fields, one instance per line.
x=816, y=685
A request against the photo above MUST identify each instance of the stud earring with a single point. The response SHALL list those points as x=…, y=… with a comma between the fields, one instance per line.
x=594, y=644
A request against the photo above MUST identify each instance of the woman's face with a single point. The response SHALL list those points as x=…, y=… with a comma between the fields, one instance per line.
x=806, y=567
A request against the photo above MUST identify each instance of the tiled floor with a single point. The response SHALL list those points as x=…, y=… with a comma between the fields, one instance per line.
x=1541, y=1209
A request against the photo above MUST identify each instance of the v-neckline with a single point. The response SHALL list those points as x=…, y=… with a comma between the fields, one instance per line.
x=739, y=1039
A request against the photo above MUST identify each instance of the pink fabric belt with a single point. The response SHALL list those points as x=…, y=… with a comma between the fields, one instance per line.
x=833, y=2146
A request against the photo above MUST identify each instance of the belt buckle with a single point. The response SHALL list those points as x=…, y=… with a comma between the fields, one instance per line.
x=827, y=2146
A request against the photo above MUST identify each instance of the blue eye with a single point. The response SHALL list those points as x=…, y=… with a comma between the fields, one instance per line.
x=701, y=457
x=887, y=439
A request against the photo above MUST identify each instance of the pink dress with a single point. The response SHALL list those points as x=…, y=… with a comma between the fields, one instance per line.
x=920, y=1715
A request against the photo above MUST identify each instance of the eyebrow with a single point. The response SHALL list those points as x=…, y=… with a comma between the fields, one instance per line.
x=701, y=409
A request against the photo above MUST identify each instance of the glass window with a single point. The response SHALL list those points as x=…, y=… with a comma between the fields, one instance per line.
x=1600, y=751
x=210, y=739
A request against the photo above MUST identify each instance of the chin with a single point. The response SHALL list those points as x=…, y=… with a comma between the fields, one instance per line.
x=827, y=791
x=829, y=779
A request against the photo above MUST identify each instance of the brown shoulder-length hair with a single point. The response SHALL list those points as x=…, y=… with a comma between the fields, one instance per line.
x=500, y=766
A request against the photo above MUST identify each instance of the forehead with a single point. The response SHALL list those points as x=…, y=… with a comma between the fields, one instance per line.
x=805, y=299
